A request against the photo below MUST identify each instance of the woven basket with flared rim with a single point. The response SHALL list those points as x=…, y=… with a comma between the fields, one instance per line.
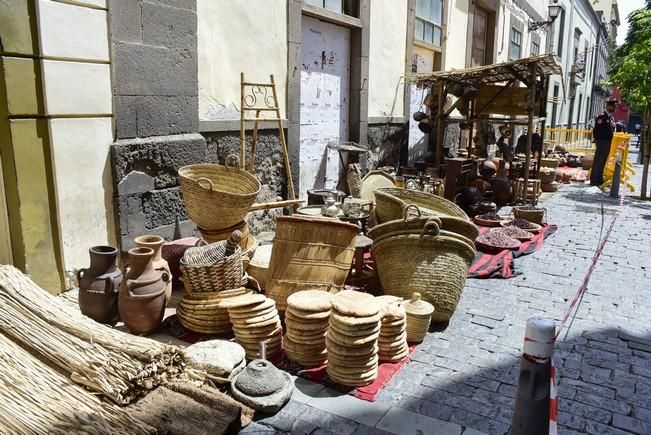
x=309, y=253
x=217, y=196
x=411, y=220
x=390, y=202
x=535, y=215
x=207, y=269
x=463, y=227
x=431, y=264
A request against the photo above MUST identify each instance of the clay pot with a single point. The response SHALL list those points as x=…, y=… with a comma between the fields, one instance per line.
x=488, y=169
x=419, y=116
x=427, y=125
x=470, y=93
x=502, y=187
x=430, y=101
x=99, y=284
x=141, y=300
x=160, y=264
x=481, y=185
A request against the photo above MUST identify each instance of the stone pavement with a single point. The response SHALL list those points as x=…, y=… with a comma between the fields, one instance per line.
x=462, y=380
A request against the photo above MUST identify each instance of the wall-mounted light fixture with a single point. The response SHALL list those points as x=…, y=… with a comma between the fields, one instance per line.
x=554, y=11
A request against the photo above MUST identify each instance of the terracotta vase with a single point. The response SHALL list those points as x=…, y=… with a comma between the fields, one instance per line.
x=502, y=187
x=160, y=264
x=142, y=293
x=99, y=284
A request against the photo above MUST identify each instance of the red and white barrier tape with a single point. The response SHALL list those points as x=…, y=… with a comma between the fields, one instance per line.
x=553, y=392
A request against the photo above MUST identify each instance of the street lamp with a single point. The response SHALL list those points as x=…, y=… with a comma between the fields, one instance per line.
x=554, y=10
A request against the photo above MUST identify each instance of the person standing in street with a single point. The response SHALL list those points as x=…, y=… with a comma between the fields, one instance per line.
x=638, y=129
x=602, y=135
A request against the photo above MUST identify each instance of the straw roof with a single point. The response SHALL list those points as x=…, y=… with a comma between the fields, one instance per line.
x=487, y=74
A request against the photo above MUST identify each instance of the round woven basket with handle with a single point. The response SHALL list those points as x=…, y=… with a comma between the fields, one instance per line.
x=431, y=264
x=217, y=196
x=390, y=202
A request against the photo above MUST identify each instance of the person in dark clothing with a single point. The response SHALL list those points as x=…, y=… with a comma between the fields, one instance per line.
x=536, y=143
x=602, y=135
x=620, y=127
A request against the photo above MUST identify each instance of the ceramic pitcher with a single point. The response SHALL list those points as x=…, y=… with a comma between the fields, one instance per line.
x=99, y=284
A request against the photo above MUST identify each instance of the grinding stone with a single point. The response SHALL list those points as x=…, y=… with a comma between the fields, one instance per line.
x=252, y=385
x=356, y=304
x=310, y=301
x=217, y=357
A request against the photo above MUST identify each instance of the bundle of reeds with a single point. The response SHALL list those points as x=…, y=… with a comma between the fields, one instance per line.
x=118, y=365
x=37, y=399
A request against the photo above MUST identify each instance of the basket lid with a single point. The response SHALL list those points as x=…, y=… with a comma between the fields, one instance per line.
x=355, y=304
x=310, y=300
x=418, y=307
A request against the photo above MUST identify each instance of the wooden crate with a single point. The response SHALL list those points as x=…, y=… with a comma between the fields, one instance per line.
x=532, y=193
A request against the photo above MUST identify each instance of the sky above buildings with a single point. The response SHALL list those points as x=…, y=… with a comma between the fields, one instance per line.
x=625, y=8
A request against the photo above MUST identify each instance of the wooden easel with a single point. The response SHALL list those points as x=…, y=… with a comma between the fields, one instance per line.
x=255, y=97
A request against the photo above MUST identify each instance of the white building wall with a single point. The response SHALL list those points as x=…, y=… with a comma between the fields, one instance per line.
x=249, y=37
x=77, y=82
x=388, y=47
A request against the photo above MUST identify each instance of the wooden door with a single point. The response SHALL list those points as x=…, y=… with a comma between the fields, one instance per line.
x=325, y=89
x=479, y=31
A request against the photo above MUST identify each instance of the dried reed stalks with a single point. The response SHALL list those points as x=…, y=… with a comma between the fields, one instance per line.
x=37, y=399
x=118, y=365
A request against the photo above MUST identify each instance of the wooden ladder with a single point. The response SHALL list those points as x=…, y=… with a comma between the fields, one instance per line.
x=255, y=97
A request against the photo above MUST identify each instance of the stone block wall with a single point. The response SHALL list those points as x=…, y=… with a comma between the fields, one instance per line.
x=154, y=51
x=386, y=142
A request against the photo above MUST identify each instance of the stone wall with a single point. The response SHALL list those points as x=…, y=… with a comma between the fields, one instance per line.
x=154, y=51
x=386, y=142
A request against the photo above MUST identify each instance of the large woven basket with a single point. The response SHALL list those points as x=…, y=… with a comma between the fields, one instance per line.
x=431, y=264
x=207, y=269
x=390, y=202
x=217, y=196
x=535, y=215
x=407, y=223
x=309, y=253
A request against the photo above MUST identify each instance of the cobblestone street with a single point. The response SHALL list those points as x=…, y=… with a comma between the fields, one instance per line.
x=463, y=379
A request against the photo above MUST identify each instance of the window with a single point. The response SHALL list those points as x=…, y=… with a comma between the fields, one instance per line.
x=429, y=14
x=535, y=48
x=577, y=40
x=561, y=29
x=347, y=7
x=516, y=44
x=555, y=106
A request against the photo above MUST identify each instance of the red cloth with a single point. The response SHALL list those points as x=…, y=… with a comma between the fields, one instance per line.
x=500, y=265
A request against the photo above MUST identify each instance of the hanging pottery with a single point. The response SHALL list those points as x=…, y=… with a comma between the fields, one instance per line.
x=98, y=285
x=142, y=293
x=160, y=264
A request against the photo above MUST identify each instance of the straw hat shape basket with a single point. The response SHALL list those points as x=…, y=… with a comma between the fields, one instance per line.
x=217, y=196
x=208, y=268
x=429, y=263
x=309, y=253
x=390, y=203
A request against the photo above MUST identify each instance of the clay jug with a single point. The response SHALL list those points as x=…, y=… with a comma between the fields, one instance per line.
x=160, y=264
x=141, y=300
x=502, y=187
x=99, y=284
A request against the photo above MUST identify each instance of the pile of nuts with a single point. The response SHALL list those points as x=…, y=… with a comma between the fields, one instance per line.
x=515, y=232
x=497, y=240
x=522, y=224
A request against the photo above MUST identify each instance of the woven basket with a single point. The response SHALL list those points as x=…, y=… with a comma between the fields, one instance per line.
x=536, y=215
x=389, y=203
x=212, y=236
x=217, y=196
x=547, y=176
x=428, y=263
x=406, y=224
x=354, y=179
x=460, y=226
x=207, y=269
x=309, y=253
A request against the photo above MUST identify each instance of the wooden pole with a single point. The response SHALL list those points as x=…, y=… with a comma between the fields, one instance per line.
x=542, y=113
x=242, y=116
x=290, y=182
x=530, y=108
x=439, y=125
x=254, y=140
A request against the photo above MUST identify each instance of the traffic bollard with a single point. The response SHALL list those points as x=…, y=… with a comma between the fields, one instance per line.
x=531, y=414
x=617, y=175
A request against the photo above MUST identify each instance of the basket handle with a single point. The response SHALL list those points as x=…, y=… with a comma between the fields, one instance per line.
x=431, y=228
x=200, y=179
x=232, y=161
x=405, y=211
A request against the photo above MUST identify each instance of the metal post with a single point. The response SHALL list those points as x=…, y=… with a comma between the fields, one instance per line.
x=531, y=414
